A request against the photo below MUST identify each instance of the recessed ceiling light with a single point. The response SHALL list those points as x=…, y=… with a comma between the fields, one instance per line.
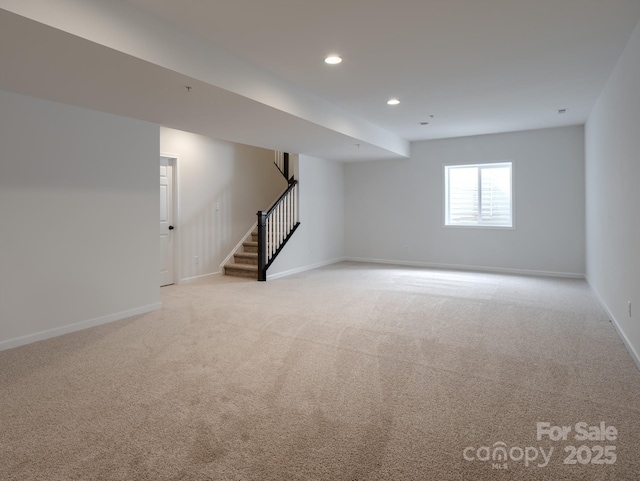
x=333, y=59
x=393, y=102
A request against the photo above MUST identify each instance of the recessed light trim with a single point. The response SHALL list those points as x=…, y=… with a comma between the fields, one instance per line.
x=393, y=102
x=333, y=59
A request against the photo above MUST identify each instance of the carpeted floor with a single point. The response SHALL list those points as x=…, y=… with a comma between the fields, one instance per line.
x=350, y=372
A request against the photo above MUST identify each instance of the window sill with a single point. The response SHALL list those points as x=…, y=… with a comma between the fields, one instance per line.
x=473, y=226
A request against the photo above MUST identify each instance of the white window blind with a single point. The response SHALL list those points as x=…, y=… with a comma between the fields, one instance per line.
x=479, y=195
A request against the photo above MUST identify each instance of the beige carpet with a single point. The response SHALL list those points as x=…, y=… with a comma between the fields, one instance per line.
x=350, y=372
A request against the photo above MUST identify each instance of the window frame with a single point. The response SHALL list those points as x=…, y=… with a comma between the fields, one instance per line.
x=445, y=197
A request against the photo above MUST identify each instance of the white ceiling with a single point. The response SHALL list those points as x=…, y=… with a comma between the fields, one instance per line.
x=477, y=66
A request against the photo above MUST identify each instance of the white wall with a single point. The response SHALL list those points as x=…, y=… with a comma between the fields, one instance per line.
x=320, y=238
x=394, y=209
x=79, y=215
x=613, y=195
x=237, y=179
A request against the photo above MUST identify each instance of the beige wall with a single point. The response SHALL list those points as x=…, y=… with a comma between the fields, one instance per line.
x=222, y=185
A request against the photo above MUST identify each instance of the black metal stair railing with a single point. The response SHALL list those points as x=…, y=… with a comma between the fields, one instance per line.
x=277, y=225
x=275, y=228
x=282, y=163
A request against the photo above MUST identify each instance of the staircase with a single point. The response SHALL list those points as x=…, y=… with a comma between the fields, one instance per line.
x=259, y=248
x=245, y=260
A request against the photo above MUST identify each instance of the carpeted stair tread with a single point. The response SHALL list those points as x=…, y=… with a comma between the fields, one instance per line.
x=242, y=267
x=241, y=270
x=246, y=258
x=250, y=246
x=247, y=255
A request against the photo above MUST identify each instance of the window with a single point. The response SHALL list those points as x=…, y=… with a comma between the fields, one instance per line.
x=478, y=195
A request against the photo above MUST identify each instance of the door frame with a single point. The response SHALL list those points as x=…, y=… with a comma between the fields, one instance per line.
x=173, y=162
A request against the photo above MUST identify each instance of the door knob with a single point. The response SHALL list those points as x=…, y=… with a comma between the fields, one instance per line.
x=170, y=227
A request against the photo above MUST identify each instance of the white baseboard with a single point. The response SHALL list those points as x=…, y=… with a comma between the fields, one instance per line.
x=457, y=267
x=198, y=278
x=297, y=270
x=632, y=352
x=78, y=326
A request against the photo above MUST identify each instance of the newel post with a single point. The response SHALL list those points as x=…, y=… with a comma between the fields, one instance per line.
x=262, y=246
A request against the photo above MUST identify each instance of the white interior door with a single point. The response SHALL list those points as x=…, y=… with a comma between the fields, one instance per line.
x=166, y=222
